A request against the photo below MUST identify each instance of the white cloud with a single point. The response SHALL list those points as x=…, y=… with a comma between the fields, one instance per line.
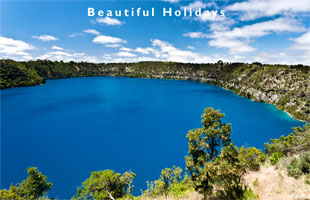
x=234, y=46
x=262, y=29
x=75, y=34
x=113, y=45
x=195, y=5
x=302, y=42
x=190, y=47
x=10, y=48
x=109, y=21
x=253, y=9
x=125, y=54
x=283, y=57
x=237, y=39
x=171, y=1
x=104, y=39
x=168, y=52
x=91, y=31
x=45, y=38
x=125, y=49
x=65, y=56
x=144, y=50
x=57, y=48
x=194, y=35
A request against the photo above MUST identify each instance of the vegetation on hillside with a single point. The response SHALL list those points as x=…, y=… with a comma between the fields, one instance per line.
x=215, y=165
x=286, y=86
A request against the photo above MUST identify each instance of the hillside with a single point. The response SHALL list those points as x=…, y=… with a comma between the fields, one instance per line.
x=285, y=86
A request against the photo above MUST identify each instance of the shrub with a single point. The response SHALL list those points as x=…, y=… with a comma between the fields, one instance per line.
x=275, y=157
x=170, y=181
x=255, y=183
x=106, y=185
x=293, y=169
x=178, y=190
x=300, y=166
x=296, y=142
x=251, y=157
x=304, y=163
x=248, y=194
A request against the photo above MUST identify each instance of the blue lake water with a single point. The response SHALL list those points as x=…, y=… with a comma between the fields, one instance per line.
x=70, y=127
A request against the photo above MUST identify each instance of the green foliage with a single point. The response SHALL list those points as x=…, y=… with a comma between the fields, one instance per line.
x=33, y=187
x=248, y=194
x=106, y=185
x=226, y=173
x=300, y=166
x=179, y=190
x=256, y=183
x=251, y=157
x=171, y=182
x=296, y=142
x=293, y=169
x=304, y=163
x=275, y=157
x=204, y=144
x=9, y=195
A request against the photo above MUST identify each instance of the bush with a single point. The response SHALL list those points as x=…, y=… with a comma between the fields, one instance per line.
x=304, y=163
x=255, y=183
x=106, y=185
x=300, y=166
x=296, y=142
x=170, y=182
x=293, y=169
x=249, y=195
x=178, y=190
x=251, y=158
x=275, y=157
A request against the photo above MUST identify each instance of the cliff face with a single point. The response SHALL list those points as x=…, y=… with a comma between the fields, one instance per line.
x=287, y=87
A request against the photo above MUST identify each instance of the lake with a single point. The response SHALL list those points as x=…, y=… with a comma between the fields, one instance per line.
x=70, y=127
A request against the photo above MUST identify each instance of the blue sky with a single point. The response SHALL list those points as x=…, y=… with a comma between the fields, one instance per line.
x=268, y=31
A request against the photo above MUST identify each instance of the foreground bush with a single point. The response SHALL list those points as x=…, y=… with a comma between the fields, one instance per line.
x=299, y=167
x=296, y=142
x=251, y=158
x=172, y=182
x=106, y=185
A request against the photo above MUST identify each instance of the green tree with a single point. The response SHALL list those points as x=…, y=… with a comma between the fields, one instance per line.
x=106, y=185
x=227, y=173
x=169, y=177
x=204, y=144
x=251, y=157
x=296, y=142
x=34, y=187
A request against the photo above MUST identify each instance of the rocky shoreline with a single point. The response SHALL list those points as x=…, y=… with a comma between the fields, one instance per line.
x=286, y=87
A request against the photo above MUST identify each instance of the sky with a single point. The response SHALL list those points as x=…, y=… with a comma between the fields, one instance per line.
x=266, y=31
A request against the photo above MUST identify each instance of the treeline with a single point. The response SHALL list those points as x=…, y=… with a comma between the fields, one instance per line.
x=214, y=168
x=286, y=86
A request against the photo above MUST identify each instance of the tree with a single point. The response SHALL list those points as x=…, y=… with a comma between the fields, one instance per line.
x=227, y=174
x=251, y=157
x=106, y=185
x=33, y=187
x=204, y=144
x=170, y=177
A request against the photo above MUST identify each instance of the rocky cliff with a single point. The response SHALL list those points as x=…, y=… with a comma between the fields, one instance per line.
x=285, y=86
